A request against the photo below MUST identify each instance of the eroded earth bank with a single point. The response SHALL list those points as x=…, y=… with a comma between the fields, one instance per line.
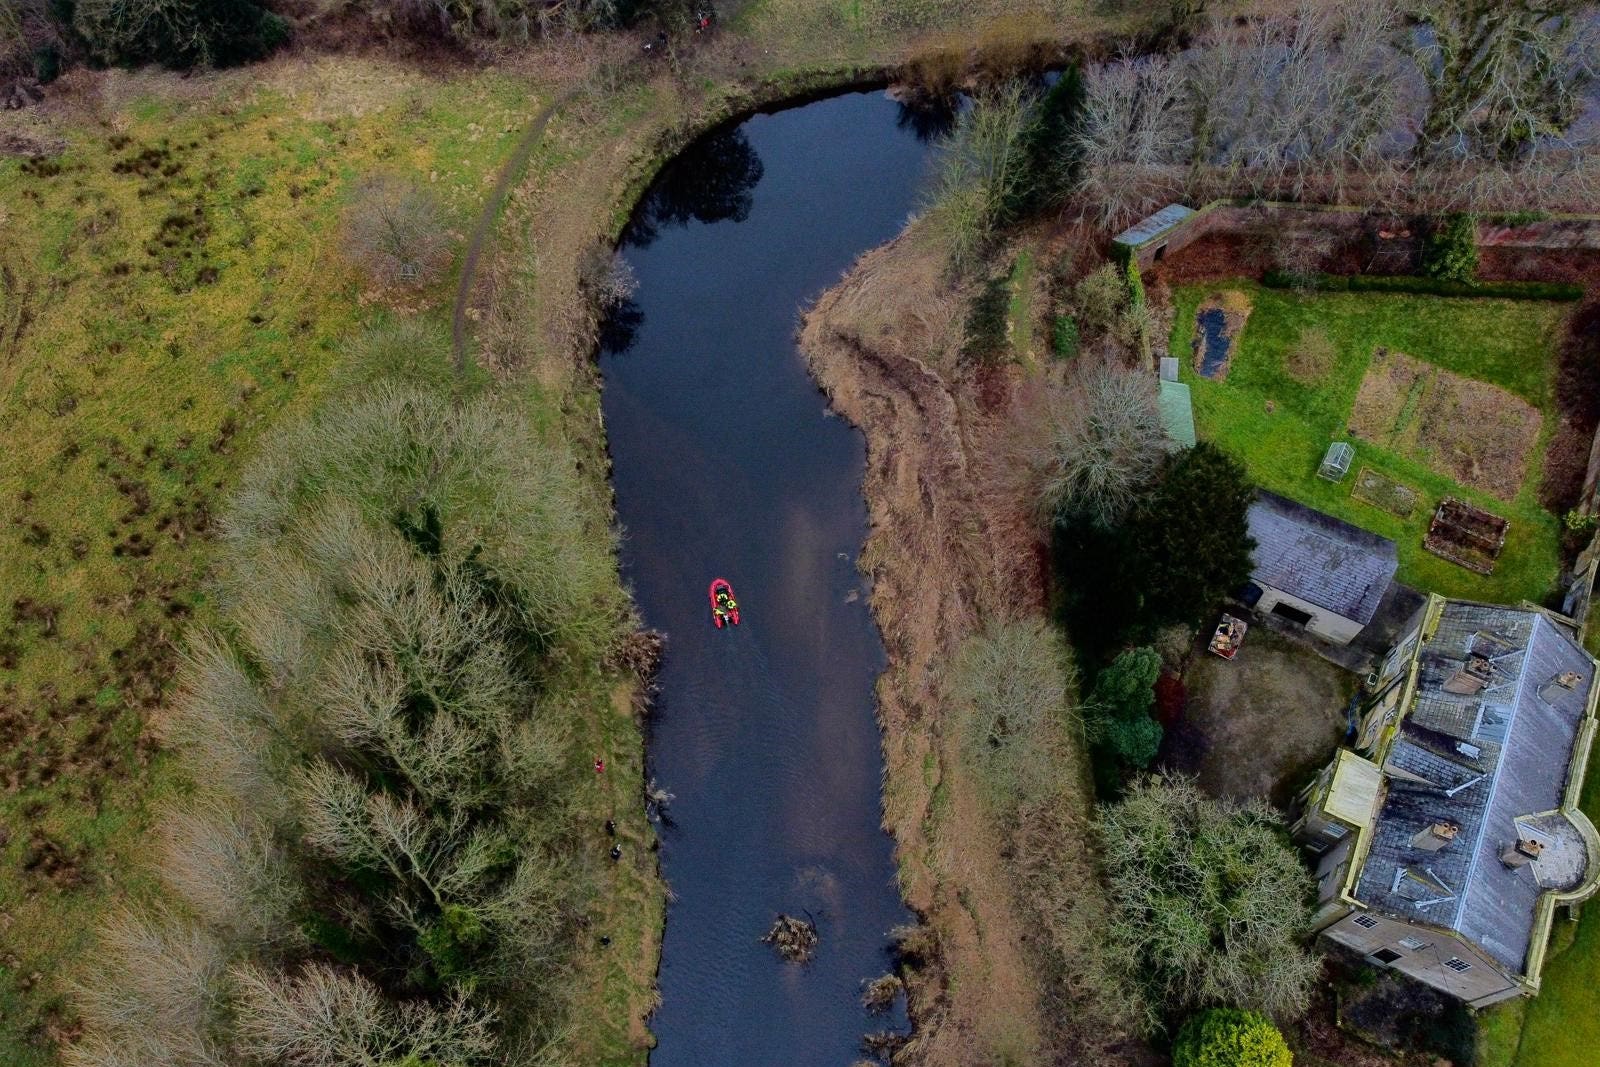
x=994, y=973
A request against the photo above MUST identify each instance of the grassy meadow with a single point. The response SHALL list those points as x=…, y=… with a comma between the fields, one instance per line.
x=1279, y=422
x=174, y=285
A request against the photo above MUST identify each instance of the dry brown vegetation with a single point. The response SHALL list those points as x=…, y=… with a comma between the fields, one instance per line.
x=951, y=548
x=1477, y=433
x=1311, y=356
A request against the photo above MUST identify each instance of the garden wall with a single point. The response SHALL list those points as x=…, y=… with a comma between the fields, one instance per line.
x=1289, y=221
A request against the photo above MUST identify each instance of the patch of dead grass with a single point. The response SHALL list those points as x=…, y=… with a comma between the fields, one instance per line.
x=1471, y=431
x=1311, y=356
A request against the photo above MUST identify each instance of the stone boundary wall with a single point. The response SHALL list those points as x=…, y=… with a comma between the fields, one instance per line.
x=1222, y=216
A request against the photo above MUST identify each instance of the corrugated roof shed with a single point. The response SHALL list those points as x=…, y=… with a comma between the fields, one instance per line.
x=1149, y=229
x=1320, y=559
x=1177, y=414
x=1512, y=765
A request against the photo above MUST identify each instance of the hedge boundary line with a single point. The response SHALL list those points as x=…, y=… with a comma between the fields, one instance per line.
x=1402, y=283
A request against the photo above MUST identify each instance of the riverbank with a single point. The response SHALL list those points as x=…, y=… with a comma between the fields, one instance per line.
x=950, y=553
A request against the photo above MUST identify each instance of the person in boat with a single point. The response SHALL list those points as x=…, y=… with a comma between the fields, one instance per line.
x=725, y=603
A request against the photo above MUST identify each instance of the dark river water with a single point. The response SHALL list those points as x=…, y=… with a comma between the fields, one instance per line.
x=726, y=462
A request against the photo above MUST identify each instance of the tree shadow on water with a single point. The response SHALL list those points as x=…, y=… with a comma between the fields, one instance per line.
x=619, y=326
x=929, y=118
x=710, y=181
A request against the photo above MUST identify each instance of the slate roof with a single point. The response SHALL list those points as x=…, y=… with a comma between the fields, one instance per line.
x=1149, y=229
x=1483, y=760
x=1320, y=559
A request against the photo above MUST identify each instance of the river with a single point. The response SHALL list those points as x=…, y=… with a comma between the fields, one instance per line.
x=726, y=462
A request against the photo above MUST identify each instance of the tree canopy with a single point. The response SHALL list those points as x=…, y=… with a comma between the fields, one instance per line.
x=1210, y=901
x=1123, y=695
x=375, y=863
x=1189, y=539
x=1228, y=1037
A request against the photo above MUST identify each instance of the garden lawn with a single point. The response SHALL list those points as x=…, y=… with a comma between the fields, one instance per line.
x=1280, y=426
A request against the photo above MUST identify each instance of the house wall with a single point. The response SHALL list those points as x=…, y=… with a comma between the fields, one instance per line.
x=1324, y=623
x=1332, y=867
x=1483, y=983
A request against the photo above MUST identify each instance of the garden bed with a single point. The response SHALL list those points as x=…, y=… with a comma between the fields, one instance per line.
x=1474, y=432
x=1373, y=488
x=1467, y=536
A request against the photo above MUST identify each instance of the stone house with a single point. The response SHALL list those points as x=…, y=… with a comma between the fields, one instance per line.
x=1446, y=842
x=1314, y=571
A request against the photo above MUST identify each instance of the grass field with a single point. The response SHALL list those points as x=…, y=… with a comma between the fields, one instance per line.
x=191, y=293
x=1280, y=423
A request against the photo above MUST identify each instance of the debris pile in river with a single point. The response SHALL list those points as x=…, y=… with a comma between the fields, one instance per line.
x=881, y=993
x=639, y=652
x=794, y=939
x=883, y=1044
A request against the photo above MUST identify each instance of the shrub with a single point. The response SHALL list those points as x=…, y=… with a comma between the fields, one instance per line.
x=1209, y=900
x=1064, y=337
x=1227, y=1037
x=396, y=232
x=408, y=351
x=934, y=70
x=1400, y=283
x=1098, y=300
x=1136, y=296
x=178, y=33
x=1451, y=249
x=1311, y=356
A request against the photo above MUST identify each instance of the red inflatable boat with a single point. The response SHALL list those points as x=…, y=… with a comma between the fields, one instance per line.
x=724, y=609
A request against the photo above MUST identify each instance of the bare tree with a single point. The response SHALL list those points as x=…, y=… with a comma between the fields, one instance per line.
x=1101, y=444
x=1209, y=905
x=1501, y=76
x=156, y=992
x=1010, y=687
x=231, y=873
x=982, y=172
x=396, y=232
x=1318, y=106
x=327, y=1017
x=1133, y=135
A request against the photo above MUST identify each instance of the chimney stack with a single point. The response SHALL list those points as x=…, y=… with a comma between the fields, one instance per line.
x=1436, y=836
x=1521, y=854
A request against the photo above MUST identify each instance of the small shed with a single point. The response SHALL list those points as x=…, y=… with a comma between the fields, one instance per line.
x=1336, y=462
x=1314, y=571
x=1150, y=235
x=1177, y=415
